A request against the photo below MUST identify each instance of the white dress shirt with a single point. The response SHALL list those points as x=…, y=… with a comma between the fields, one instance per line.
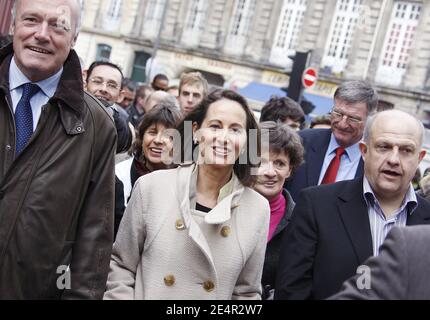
x=47, y=86
x=348, y=162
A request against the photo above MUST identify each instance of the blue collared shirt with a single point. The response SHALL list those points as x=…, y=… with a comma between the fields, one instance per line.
x=47, y=86
x=379, y=224
x=348, y=162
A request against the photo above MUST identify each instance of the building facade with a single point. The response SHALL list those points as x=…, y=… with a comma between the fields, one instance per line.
x=237, y=42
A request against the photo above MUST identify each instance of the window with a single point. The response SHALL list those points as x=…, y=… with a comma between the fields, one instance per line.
x=288, y=31
x=153, y=16
x=398, y=42
x=103, y=52
x=239, y=27
x=341, y=34
x=242, y=17
x=139, y=66
x=196, y=14
x=194, y=22
x=113, y=15
x=114, y=9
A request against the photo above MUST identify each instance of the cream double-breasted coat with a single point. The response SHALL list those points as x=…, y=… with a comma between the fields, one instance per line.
x=167, y=250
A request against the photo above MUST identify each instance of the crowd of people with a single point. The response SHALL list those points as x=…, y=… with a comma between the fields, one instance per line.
x=115, y=190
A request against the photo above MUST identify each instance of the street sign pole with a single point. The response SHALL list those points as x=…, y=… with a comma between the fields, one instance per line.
x=295, y=86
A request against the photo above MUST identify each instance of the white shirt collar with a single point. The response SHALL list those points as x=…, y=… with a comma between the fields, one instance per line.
x=410, y=198
x=353, y=152
x=17, y=78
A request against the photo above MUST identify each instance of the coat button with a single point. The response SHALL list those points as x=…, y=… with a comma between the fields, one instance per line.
x=180, y=224
x=8, y=147
x=169, y=280
x=208, y=286
x=78, y=129
x=225, y=231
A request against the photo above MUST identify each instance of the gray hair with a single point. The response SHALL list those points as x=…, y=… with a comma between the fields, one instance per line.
x=78, y=22
x=367, y=134
x=356, y=92
x=163, y=98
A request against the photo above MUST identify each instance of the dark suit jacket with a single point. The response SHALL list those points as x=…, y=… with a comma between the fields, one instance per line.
x=315, y=142
x=400, y=272
x=328, y=238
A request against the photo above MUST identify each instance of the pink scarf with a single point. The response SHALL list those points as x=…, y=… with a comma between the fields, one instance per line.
x=277, y=210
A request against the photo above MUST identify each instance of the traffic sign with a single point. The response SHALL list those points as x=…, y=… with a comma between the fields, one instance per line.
x=309, y=77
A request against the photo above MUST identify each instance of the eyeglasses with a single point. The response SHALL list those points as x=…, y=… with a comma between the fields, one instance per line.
x=109, y=84
x=336, y=115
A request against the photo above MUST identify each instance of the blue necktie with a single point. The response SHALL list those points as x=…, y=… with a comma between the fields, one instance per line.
x=24, y=117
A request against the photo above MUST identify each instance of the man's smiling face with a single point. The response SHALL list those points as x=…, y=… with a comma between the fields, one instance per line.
x=44, y=32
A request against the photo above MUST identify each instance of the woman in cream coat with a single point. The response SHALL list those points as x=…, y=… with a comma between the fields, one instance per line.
x=198, y=231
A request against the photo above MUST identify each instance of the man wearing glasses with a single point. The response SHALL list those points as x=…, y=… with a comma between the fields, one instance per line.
x=333, y=155
x=104, y=80
x=336, y=227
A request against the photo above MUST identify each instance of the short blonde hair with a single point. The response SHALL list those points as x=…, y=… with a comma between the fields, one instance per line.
x=194, y=78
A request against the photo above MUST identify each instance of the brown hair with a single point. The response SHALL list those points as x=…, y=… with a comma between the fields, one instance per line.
x=281, y=108
x=241, y=170
x=284, y=139
x=164, y=114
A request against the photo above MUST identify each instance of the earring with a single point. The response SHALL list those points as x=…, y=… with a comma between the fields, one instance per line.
x=195, y=140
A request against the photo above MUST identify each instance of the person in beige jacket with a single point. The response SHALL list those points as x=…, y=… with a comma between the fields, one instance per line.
x=198, y=231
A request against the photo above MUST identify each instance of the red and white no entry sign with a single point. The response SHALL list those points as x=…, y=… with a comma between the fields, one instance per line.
x=309, y=77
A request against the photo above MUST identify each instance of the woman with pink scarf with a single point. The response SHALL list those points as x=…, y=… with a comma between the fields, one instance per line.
x=285, y=153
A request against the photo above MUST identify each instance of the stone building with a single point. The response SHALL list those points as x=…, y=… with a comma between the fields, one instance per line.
x=236, y=42
x=246, y=44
